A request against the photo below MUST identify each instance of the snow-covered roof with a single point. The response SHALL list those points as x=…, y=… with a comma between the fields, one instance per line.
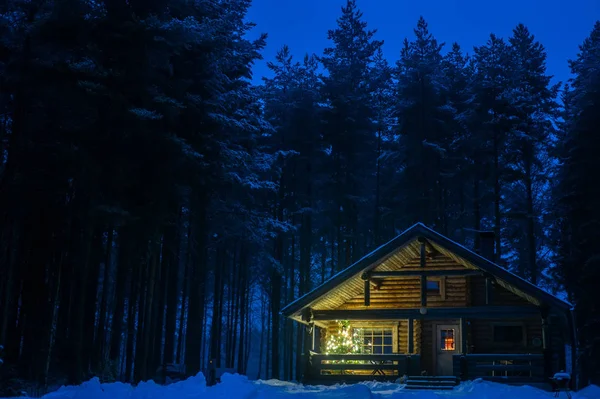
x=347, y=283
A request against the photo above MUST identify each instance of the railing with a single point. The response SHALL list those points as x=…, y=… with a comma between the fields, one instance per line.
x=347, y=367
x=499, y=367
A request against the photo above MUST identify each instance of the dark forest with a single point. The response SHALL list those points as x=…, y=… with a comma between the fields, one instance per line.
x=158, y=207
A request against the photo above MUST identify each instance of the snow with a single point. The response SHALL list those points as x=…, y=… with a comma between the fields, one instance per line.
x=240, y=387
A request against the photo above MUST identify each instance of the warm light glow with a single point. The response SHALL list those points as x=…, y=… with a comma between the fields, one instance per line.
x=449, y=344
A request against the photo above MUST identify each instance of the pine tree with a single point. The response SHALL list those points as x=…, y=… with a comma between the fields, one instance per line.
x=421, y=118
x=577, y=195
x=491, y=124
x=534, y=108
x=460, y=168
x=349, y=130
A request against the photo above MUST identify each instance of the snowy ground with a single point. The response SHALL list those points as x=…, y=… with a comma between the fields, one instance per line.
x=239, y=387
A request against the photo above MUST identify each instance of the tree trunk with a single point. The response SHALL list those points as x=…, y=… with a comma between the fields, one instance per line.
x=242, y=306
x=171, y=257
x=102, y=317
x=120, y=287
x=275, y=307
x=532, y=247
x=133, y=318
x=197, y=278
x=262, y=336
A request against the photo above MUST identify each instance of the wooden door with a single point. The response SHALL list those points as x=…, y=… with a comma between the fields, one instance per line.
x=447, y=344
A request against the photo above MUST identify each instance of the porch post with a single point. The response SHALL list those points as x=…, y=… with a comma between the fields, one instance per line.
x=411, y=341
x=463, y=336
x=423, y=277
x=546, y=344
x=365, y=276
x=307, y=316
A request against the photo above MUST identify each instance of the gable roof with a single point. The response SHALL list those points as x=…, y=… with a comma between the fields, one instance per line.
x=349, y=278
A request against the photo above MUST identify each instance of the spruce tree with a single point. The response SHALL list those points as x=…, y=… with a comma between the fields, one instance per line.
x=420, y=97
x=534, y=109
x=577, y=195
x=349, y=130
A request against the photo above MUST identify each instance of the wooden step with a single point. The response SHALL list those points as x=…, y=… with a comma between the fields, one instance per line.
x=432, y=377
x=431, y=382
x=429, y=387
x=435, y=383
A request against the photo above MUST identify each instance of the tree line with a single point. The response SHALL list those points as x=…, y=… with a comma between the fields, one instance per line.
x=156, y=207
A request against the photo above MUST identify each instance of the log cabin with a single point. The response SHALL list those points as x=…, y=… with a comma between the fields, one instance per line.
x=424, y=305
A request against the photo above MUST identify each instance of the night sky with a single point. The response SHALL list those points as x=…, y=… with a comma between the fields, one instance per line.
x=560, y=25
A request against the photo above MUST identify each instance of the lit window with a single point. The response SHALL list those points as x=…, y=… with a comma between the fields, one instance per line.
x=447, y=342
x=376, y=340
x=433, y=287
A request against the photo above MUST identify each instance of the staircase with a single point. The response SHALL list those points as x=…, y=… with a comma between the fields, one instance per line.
x=431, y=382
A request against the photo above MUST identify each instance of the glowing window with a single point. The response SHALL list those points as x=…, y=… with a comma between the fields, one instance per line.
x=447, y=342
x=376, y=340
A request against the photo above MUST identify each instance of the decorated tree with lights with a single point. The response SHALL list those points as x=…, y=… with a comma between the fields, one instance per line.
x=346, y=340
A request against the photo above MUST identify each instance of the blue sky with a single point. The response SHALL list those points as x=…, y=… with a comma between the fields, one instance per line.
x=560, y=25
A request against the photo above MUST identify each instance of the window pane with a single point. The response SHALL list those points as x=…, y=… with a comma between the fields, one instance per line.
x=447, y=340
x=375, y=340
x=433, y=287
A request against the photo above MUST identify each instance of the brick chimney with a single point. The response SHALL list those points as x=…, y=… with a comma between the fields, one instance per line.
x=487, y=241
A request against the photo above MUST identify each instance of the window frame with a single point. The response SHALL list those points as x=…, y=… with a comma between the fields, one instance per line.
x=442, y=284
x=454, y=340
x=522, y=343
x=392, y=326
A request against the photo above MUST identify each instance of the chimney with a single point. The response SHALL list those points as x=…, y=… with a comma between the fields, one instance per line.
x=486, y=245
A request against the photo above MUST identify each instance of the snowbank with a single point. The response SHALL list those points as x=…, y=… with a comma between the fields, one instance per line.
x=239, y=387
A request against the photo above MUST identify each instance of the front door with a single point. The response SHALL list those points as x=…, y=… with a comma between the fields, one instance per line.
x=447, y=344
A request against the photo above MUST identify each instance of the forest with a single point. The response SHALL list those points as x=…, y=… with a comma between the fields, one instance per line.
x=158, y=207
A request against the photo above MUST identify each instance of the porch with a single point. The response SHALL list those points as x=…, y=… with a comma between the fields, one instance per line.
x=431, y=346
x=347, y=368
x=350, y=368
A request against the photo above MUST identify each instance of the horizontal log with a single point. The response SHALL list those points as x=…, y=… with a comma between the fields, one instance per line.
x=508, y=367
x=428, y=273
x=395, y=299
x=515, y=380
x=474, y=312
x=354, y=366
x=389, y=306
x=318, y=357
x=490, y=357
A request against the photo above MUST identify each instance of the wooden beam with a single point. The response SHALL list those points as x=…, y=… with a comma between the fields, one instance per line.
x=423, y=277
x=546, y=344
x=463, y=336
x=367, y=293
x=428, y=273
x=472, y=312
x=423, y=291
x=411, y=343
x=307, y=315
x=423, y=252
x=431, y=251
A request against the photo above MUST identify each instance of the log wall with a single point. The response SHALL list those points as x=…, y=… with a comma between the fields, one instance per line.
x=405, y=292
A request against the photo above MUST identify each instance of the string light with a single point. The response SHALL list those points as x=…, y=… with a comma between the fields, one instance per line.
x=344, y=341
